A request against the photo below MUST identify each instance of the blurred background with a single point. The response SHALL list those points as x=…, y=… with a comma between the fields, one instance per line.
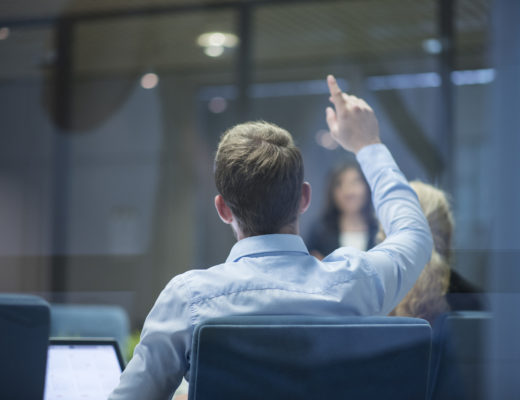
x=110, y=113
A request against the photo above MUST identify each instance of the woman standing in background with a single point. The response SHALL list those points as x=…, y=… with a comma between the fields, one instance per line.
x=348, y=218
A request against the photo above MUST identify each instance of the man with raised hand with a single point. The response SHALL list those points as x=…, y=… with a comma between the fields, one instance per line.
x=259, y=177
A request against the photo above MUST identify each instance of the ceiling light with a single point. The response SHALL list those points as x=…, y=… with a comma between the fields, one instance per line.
x=432, y=46
x=217, y=105
x=215, y=43
x=149, y=81
x=4, y=33
x=217, y=39
x=214, y=51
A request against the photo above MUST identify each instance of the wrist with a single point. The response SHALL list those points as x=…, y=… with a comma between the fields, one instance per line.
x=366, y=144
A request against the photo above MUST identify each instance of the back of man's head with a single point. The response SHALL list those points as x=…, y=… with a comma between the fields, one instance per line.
x=259, y=173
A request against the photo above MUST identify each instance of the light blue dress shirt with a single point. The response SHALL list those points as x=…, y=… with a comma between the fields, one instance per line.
x=274, y=274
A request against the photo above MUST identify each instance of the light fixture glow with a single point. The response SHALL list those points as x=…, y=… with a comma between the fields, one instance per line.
x=432, y=46
x=4, y=33
x=149, y=81
x=215, y=43
x=214, y=51
x=430, y=79
x=217, y=105
x=217, y=39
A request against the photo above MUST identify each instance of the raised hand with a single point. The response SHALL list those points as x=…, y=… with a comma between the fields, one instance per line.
x=353, y=123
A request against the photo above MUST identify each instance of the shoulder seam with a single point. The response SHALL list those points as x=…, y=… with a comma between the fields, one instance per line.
x=190, y=301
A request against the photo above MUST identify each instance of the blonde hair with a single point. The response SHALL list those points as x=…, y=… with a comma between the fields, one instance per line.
x=427, y=297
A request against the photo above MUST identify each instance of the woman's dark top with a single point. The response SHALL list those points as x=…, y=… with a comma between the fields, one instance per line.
x=463, y=295
x=325, y=238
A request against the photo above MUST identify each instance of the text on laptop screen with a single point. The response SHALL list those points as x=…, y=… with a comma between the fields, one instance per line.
x=81, y=371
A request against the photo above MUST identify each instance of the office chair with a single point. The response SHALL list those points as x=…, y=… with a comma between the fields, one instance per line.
x=75, y=320
x=459, y=356
x=309, y=357
x=24, y=337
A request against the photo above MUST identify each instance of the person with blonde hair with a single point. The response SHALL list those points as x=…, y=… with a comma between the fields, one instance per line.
x=427, y=299
x=431, y=294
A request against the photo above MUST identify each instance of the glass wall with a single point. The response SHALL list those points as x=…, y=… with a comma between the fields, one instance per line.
x=110, y=113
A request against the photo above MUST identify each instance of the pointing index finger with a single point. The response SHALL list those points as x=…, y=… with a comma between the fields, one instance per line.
x=334, y=89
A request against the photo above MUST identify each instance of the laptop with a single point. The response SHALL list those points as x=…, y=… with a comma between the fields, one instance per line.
x=86, y=369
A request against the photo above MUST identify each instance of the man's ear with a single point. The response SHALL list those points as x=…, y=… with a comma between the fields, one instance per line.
x=305, y=200
x=224, y=212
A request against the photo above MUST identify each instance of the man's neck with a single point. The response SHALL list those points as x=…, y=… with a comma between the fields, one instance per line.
x=289, y=229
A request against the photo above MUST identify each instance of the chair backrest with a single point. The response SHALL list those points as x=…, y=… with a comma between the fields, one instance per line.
x=459, y=356
x=74, y=320
x=24, y=337
x=301, y=357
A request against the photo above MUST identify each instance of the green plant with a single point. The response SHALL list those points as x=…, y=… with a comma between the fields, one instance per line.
x=132, y=341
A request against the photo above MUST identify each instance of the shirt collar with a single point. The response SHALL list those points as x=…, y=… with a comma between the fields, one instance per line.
x=260, y=245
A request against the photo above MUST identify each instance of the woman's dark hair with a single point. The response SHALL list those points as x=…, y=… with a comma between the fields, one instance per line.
x=331, y=212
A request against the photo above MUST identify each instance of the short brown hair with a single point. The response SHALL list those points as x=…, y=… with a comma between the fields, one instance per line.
x=259, y=173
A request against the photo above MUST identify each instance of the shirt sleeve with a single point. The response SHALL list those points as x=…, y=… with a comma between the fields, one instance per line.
x=400, y=258
x=160, y=359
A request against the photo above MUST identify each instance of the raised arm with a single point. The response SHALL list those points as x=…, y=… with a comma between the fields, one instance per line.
x=399, y=260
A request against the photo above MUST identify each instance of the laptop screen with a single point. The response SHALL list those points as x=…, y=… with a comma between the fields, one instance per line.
x=82, y=369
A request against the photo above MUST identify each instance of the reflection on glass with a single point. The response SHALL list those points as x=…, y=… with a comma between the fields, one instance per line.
x=149, y=81
x=4, y=33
